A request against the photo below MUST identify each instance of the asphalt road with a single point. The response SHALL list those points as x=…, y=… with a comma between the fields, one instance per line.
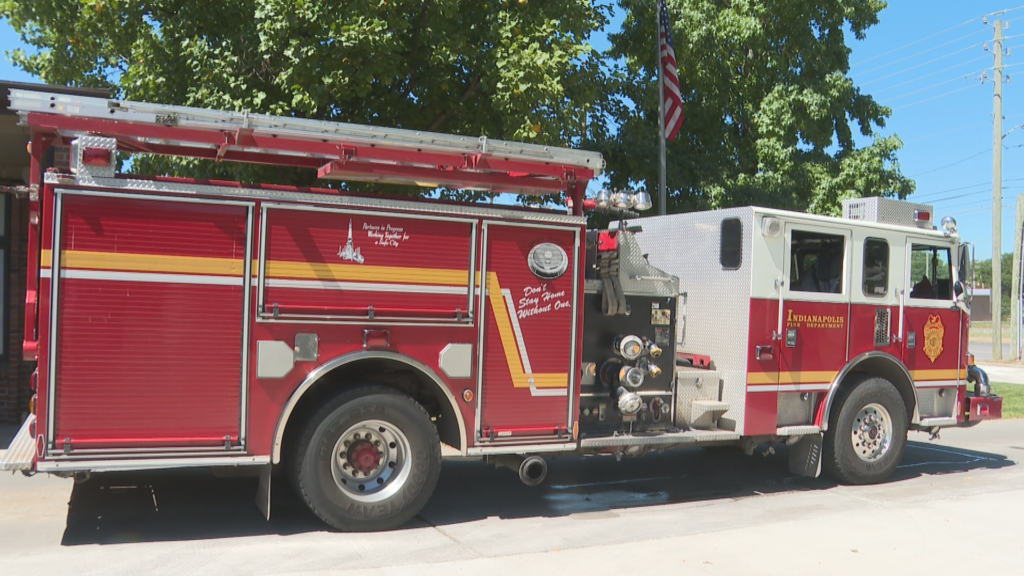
x=955, y=506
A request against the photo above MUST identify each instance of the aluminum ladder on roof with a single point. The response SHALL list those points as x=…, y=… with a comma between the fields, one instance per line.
x=408, y=147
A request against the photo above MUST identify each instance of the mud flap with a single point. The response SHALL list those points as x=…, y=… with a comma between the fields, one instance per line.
x=805, y=456
x=263, y=491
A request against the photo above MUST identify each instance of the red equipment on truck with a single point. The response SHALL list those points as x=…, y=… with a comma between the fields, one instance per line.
x=342, y=337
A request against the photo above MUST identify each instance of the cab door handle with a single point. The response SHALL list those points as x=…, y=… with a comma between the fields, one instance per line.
x=764, y=353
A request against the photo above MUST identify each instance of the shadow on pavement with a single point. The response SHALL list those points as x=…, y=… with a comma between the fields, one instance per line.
x=196, y=505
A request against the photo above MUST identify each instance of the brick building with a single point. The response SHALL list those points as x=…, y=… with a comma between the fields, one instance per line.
x=15, y=371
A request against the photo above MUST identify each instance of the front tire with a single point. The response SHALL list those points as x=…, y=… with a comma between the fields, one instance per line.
x=368, y=460
x=867, y=435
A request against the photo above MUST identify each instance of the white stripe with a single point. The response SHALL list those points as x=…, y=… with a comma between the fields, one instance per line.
x=936, y=384
x=789, y=387
x=146, y=277
x=671, y=122
x=366, y=286
x=805, y=387
x=527, y=369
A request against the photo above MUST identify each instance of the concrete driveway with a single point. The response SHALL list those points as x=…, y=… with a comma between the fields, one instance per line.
x=955, y=506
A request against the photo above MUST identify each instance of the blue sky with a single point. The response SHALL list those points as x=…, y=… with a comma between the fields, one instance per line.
x=926, y=65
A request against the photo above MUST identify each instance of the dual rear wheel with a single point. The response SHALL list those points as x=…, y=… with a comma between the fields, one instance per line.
x=368, y=460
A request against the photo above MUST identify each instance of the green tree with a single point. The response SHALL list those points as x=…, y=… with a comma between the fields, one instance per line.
x=770, y=109
x=983, y=274
x=510, y=69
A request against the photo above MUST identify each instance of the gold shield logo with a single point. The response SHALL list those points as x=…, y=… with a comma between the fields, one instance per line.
x=933, y=332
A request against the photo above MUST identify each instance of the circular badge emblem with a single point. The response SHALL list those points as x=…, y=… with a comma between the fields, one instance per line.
x=548, y=261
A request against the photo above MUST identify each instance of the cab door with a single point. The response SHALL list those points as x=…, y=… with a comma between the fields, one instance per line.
x=813, y=346
x=931, y=323
x=875, y=293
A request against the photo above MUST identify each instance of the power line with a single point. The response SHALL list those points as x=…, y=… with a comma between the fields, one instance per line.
x=911, y=105
x=901, y=48
x=876, y=92
x=905, y=58
x=985, y=151
x=932, y=61
x=919, y=90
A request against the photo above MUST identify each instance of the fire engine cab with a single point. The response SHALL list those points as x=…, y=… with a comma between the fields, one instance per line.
x=340, y=337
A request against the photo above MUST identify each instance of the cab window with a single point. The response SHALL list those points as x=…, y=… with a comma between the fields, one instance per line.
x=931, y=275
x=816, y=263
x=876, y=268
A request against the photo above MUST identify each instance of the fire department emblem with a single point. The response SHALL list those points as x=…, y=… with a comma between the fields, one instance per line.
x=933, y=332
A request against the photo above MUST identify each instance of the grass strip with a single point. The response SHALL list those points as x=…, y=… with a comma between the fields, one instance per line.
x=1013, y=398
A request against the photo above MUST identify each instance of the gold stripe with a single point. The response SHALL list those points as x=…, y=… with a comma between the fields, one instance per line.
x=78, y=259
x=809, y=377
x=360, y=273
x=950, y=374
x=508, y=342
x=81, y=259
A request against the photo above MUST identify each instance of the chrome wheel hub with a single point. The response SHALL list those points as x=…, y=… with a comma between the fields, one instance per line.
x=371, y=461
x=872, y=432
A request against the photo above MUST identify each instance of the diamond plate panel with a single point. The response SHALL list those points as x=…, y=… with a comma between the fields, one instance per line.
x=694, y=384
x=795, y=411
x=936, y=402
x=715, y=313
x=636, y=274
x=86, y=171
x=886, y=211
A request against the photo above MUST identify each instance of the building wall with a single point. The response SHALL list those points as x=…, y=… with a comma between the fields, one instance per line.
x=15, y=373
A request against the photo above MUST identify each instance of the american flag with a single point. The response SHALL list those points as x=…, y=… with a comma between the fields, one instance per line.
x=670, y=74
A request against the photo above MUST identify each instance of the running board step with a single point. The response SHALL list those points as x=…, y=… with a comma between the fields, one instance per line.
x=22, y=450
x=667, y=439
x=704, y=413
x=940, y=421
x=797, y=430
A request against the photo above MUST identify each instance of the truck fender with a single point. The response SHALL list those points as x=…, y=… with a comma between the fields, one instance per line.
x=875, y=363
x=327, y=367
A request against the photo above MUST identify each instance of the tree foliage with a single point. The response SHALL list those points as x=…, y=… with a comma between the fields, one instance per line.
x=517, y=70
x=770, y=109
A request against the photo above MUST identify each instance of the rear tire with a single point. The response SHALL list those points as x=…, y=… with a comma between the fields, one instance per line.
x=368, y=460
x=867, y=434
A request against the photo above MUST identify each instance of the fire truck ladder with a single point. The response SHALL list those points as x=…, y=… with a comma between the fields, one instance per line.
x=336, y=150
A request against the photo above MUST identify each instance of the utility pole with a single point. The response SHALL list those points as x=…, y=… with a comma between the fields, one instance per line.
x=997, y=194
x=1015, y=310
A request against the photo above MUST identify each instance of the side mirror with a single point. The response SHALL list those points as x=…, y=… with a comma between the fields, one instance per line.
x=959, y=290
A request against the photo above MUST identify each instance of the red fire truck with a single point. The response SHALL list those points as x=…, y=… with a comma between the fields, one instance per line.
x=340, y=338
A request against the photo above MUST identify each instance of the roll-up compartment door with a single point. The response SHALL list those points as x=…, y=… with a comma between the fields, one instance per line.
x=149, y=323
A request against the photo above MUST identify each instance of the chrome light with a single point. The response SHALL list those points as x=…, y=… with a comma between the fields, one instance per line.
x=949, y=225
x=622, y=200
x=603, y=198
x=642, y=200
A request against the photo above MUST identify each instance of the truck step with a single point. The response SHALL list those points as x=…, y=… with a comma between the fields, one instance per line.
x=704, y=413
x=22, y=449
x=667, y=439
x=797, y=430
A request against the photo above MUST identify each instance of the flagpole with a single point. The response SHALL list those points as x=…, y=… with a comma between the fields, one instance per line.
x=662, y=194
